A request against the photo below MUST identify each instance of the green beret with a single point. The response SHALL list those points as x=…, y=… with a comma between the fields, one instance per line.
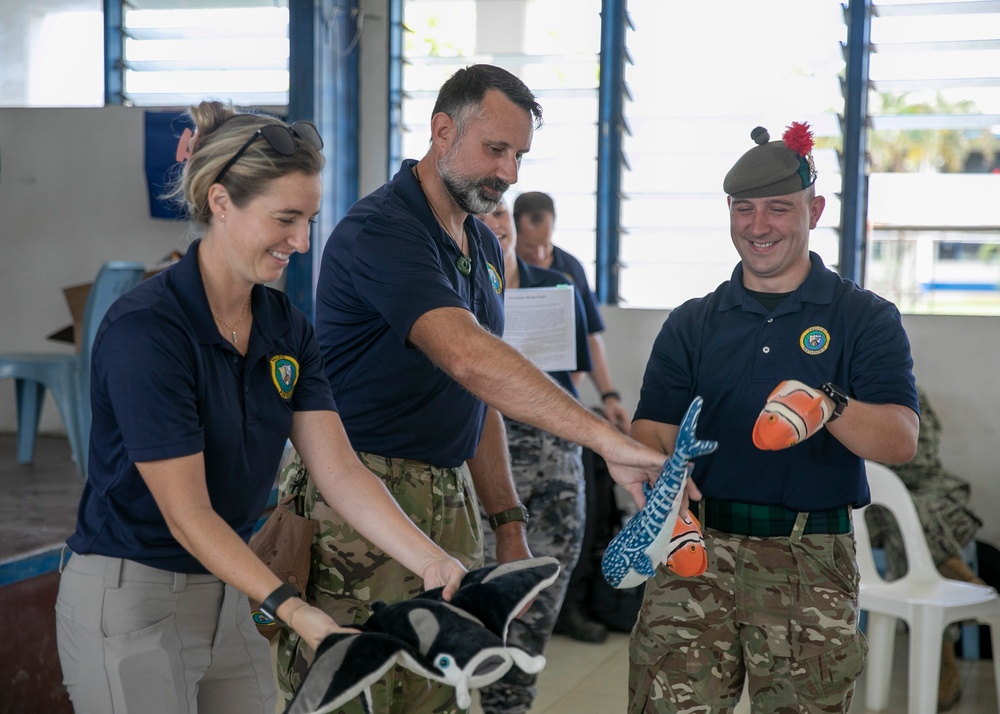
x=773, y=168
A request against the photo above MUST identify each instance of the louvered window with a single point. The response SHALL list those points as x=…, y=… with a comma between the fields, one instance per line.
x=174, y=54
x=934, y=218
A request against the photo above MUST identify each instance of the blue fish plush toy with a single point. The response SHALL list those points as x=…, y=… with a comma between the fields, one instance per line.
x=462, y=643
x=647, y=539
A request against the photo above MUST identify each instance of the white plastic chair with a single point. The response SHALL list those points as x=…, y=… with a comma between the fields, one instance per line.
x=923, y=598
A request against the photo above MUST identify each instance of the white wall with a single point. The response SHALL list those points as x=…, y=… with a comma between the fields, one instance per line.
x=954, y=360
x=72, y=196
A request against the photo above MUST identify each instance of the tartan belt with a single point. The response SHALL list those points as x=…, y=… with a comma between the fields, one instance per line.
x=759, y=521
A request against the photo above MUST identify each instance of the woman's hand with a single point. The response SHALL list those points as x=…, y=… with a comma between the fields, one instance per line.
x=444, y=572
x=313, y=625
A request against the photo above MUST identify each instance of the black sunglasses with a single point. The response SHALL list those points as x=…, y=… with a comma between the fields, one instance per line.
x=281, y=138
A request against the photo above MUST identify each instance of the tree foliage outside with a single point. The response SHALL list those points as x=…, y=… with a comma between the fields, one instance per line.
x=929, y=150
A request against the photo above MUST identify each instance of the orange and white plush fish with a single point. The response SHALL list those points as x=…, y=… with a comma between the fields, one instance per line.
x=687, y=555
x=793, y=412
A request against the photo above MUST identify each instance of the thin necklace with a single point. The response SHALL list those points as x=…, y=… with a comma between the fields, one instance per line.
x=463, y=262
x=232, y=328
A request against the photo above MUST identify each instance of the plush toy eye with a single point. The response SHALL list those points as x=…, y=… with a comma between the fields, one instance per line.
x=444, y=662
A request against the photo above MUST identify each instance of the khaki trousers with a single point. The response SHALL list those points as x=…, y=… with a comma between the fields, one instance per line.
x=138, y=640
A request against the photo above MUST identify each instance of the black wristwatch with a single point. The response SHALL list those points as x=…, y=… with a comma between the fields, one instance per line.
x=518, y=513
x=273, y=601
x=839, y=397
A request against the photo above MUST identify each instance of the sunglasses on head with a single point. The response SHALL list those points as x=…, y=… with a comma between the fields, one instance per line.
x=279, y=137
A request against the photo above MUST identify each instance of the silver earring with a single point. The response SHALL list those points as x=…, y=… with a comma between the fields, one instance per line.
x=222, y=216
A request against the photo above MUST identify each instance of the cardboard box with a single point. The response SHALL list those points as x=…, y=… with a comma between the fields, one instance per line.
x=76, y=301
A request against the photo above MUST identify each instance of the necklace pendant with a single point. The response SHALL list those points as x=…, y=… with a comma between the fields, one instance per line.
x=234, y=337
x=464, y=265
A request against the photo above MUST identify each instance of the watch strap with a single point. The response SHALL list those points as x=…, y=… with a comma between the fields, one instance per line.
x=518, y=513
x=839, y=397
x=273, y=601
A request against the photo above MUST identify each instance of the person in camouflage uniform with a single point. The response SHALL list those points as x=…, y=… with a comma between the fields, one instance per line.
x=348, y=572
x=548, y=476
x=409, y=313
x=777, y=607
x=942, y=502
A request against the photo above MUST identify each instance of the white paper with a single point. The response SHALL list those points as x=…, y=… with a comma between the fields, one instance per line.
x=541, y=323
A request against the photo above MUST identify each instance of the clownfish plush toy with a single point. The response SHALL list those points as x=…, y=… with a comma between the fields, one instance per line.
x=793, y=412
x=687, y=555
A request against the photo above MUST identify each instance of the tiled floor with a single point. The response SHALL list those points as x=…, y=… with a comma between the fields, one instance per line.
x=593, y=679
x=39, y=509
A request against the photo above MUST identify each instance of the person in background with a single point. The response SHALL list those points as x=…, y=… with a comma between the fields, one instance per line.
x=950, y=526
x=778, y=605
x=409, y=314
x=534, y=220
x=200, y=375
x=548, y=476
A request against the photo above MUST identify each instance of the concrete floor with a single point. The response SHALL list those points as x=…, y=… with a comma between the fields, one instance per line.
x=39, y=501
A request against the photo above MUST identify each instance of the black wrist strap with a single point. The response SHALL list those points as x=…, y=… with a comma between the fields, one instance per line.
x=607, y=395
x=273, y=601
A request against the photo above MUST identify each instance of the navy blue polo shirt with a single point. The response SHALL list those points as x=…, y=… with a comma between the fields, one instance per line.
x=727, y=348
x=165, y=384
x=388, y=262
x=567, y=264
x=534, y=277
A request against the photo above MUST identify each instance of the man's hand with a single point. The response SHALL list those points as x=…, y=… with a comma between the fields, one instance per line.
x=512, y=544
x=632, y=464
x=691, y=493
x=617, y=415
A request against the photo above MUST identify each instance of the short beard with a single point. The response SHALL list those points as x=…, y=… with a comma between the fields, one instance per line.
x=467, y=193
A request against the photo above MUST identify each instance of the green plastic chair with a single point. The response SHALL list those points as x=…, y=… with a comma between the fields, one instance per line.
x=66, y=376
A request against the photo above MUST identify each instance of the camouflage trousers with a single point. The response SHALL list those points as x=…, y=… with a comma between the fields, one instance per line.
x=781, y=612
x=548, y=475
x=348, y=572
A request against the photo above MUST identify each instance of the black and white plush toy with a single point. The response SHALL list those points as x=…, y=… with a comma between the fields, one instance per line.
x=462, y=643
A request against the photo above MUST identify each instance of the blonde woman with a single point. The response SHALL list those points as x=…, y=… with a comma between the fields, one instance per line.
x=200, y=375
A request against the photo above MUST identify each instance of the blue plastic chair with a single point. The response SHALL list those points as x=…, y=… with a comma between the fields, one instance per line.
x=66, y=376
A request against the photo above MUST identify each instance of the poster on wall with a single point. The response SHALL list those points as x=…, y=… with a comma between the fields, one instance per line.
x=165, y=150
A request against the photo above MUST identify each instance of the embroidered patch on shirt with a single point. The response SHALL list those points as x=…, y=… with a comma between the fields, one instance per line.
x=814, y=340
x=285, y=373
x=495, y=279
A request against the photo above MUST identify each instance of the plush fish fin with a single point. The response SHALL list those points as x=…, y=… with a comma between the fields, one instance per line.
x=496, y=594
x=645, y=541
x=792, y=413
x=344, y=668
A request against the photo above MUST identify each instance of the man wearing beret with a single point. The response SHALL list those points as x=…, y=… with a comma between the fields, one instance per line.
x=778, y=605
